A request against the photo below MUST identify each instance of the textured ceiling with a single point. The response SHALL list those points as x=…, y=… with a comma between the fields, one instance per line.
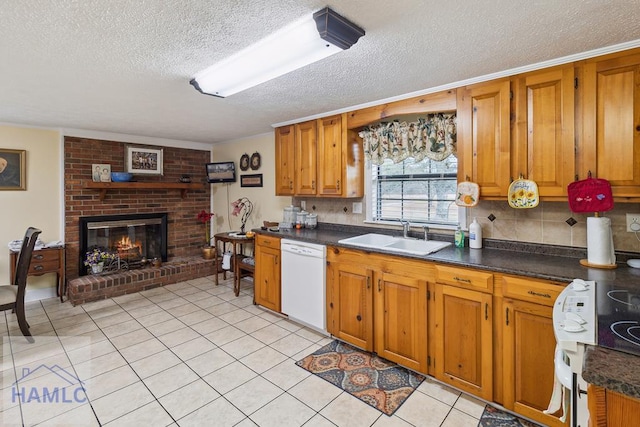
x=124, y=66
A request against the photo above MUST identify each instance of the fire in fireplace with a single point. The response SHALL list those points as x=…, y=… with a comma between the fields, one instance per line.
x=131, y=238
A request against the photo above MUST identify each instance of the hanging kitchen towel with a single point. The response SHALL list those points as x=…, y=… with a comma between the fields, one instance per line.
x=590, y=195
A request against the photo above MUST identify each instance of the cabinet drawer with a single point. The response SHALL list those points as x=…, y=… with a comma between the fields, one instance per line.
x=45, y=255
x=465, y=278
x=268, y=241
x=41, y=267
x=538, y=292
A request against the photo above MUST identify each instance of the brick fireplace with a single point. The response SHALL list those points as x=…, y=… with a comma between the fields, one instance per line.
x=185, y=234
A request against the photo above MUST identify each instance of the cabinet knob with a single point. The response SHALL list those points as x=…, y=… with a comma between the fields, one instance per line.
x=38, y=267
x=38, y=257
x=359, y=318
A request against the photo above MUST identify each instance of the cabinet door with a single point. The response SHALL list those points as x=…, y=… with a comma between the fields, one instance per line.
x=483, y=136
x=285, y=160
x=464, y=341
x=611, y=112
x=330, y=150
x=267, y=278
x=401, y=320
x=306, y=158
x=544, y=134
x=350, y=304
x=528, y=351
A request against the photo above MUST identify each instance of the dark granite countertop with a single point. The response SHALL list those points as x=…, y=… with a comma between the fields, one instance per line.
x=561, y=264
x=613, y=370
x=555, y=263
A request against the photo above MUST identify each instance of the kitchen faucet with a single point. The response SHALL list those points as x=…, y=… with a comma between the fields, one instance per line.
x=405, y=228
x=426, y=232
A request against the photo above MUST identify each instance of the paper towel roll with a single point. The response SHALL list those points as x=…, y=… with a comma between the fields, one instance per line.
x=226, y=261
x=600, y=241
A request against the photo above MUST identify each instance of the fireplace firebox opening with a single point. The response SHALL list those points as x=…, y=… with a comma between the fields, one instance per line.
x=132, y=239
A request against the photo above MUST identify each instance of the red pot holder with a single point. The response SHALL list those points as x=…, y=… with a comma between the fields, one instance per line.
x=590, y=195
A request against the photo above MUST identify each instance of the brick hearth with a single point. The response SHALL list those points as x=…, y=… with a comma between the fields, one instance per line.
x=96, y=287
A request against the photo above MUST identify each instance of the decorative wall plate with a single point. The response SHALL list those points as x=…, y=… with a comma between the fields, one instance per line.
x=255, y=161
x=244, y=162
x=523, y=194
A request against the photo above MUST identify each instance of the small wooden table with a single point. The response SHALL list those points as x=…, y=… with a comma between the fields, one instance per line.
x=43, y=261
x=237, y=255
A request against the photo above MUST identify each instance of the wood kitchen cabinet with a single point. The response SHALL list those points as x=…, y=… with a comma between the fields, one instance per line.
x=464, y=330
x=543, y=143
x=610, y=140
x=608, y=408
x=379, y=307
x=266, y=279
x=285, y=160
x=484, y=137
x=528, y=346
x=305, y=149
x=319, y=158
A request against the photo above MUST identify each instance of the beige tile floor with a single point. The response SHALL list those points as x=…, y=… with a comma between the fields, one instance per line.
x=193, y=354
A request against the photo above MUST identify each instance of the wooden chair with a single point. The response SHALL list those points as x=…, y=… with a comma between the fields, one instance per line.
x=12, y=296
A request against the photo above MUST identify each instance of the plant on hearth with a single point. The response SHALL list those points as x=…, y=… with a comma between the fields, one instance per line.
x=205, y=218
x=97, y=256
x=243, y=207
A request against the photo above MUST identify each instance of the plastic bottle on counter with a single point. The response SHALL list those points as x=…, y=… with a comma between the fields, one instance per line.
x=475, y=234
x=459, y=238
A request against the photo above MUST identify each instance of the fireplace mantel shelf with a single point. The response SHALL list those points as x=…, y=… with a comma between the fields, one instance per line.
x=103, y=187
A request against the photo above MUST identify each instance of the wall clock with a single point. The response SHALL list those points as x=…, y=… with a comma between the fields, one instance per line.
x=244, y=162
x=255, y=161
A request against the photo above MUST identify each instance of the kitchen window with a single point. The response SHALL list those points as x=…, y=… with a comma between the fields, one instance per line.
x=420, y=192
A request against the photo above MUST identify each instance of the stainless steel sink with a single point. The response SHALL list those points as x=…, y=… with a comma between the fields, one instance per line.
x=395, y=244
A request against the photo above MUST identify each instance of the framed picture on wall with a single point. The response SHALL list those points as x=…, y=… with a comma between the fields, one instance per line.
x=13, y=169
x=254, y=180
x=143, y=160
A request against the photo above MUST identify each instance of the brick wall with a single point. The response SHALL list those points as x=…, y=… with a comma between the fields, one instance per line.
x=185, y=233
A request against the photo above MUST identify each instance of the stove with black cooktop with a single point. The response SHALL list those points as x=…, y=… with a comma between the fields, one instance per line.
x=619, y=318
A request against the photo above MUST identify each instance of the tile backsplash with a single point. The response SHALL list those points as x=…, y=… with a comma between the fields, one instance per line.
x=548, y=223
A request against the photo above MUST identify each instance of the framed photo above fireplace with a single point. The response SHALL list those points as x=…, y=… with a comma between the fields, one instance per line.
x=143, y=160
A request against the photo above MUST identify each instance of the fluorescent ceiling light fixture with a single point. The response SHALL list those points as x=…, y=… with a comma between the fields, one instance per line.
x=296, y=45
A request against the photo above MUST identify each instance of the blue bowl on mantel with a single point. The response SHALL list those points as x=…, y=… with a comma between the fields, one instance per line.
x=121, y=176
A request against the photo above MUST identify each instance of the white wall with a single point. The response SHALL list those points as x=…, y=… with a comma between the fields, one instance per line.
x=267, y=207
x=41, y=204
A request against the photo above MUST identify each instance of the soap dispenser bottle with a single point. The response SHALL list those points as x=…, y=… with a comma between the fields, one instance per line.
x=475, y=234
x=459, y=238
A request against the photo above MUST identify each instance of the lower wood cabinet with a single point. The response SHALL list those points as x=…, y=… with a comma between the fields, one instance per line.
x=267, y=273
x=378, y=310
x=464, y=339
x=528, y=346
x=610, y=409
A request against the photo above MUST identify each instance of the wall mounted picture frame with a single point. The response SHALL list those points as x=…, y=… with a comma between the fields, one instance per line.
x=255, y=161
x=144, y=160
x=13, y=169
x=101, y=172
x=254, y=180
x=244, y=162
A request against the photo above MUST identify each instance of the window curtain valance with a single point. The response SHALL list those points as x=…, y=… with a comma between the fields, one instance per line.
x=433, y=137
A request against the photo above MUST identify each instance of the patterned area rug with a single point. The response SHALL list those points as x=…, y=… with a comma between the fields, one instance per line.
x=376, y=381
x=493, y=417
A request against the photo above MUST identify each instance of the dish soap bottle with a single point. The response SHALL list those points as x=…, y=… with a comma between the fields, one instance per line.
x=475, y=234
x=459, y=238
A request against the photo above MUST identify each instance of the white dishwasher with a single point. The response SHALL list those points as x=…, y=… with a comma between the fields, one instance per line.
x=303, y=277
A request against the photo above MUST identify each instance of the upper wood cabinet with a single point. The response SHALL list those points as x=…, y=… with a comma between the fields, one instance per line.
x=305, y=149
x=285, y=160
x=610, y=146
x=483, y=137
x=543, y=145
x=328, y=159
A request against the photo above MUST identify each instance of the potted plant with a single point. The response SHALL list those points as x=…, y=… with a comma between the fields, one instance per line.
x=96, y=258
x=208, y=252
